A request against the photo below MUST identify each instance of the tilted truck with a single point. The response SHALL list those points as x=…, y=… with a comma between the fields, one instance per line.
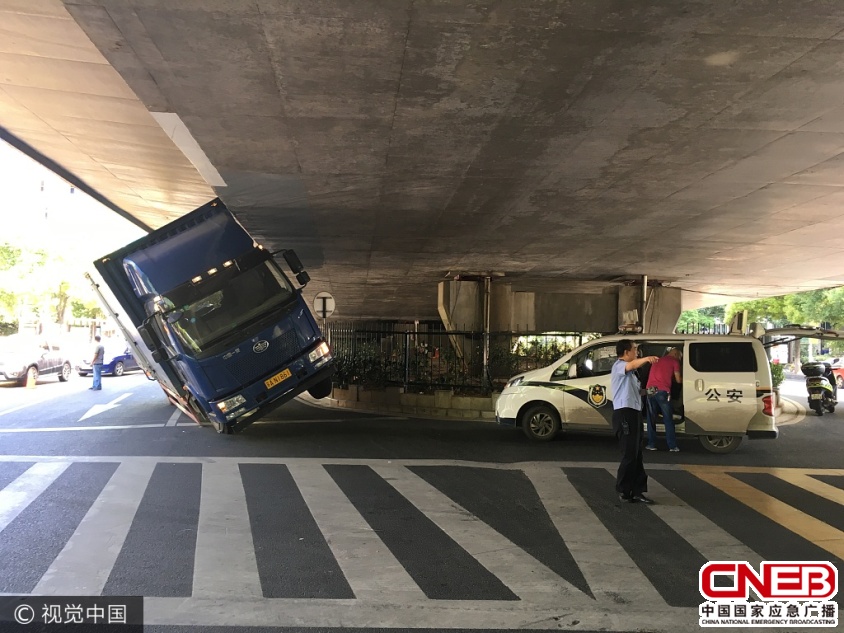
x=211, y=316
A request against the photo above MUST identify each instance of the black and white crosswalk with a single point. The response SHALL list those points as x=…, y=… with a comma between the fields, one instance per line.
x=399, y=544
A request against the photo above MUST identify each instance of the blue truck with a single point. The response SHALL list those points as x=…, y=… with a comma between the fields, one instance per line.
x=212, y=317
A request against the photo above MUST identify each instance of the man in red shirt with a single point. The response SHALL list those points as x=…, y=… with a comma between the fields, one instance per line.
x=659, y=397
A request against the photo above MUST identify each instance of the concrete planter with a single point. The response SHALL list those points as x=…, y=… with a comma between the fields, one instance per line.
x=442, y=403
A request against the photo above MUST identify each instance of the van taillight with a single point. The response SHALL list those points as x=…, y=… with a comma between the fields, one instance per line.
x=768, y=403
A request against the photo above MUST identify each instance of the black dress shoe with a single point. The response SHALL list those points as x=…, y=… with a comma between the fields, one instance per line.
x=642, y=498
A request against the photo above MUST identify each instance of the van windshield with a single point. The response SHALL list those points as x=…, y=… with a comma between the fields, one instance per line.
x=203, y=315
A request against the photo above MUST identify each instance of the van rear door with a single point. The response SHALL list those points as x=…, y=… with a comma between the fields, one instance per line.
x=720, y=380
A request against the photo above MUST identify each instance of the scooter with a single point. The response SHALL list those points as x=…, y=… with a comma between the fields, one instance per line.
x=820, y=383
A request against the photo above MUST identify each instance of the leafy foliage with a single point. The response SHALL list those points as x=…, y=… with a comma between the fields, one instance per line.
x=777, y=374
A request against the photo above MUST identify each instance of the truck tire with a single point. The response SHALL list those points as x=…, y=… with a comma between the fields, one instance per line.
x=720, y=443
x=321, y=389
x=199, y=412
x=540, y=423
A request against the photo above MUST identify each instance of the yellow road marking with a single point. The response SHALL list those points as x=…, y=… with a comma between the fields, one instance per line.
x=811, y=484
x=813, y=530
x=771, y=470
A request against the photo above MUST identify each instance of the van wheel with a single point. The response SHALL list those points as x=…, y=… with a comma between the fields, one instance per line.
x=541, y=423
x=720, y=443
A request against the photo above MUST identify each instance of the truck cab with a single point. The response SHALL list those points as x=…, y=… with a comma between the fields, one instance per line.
x=222, y=328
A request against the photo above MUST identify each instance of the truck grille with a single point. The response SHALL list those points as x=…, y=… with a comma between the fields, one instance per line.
x=247, y=366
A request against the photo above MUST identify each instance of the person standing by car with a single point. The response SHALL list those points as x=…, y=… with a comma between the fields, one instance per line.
x=632, y=480
x=97, y=364
x=659, y=398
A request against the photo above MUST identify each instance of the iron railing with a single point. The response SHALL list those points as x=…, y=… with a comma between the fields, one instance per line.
x=427, y=357
x=705, y=328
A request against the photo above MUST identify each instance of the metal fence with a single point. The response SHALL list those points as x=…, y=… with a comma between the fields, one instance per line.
x=705, y=328
x=427, y=357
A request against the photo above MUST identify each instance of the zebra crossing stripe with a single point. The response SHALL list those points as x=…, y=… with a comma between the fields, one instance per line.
x=471, y=615
x=224, y=537
x=698, y=531
x=607, y=567
x=15, y=497
x=370, y=568
x=83, y=566
x=810, y=484
x=813, y=530
x=525, y=576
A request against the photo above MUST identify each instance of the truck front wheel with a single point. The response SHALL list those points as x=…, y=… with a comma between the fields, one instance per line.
x=321, y=389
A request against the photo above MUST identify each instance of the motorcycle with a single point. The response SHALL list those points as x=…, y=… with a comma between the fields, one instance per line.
x=821, y=385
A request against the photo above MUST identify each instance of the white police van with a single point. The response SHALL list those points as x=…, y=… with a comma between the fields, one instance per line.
x=726, y=393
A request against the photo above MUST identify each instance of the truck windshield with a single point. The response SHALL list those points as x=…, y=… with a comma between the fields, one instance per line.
x=203, y=315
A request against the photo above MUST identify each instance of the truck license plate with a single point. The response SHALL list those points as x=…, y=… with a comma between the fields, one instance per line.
x=817, y=396
x=277, y=379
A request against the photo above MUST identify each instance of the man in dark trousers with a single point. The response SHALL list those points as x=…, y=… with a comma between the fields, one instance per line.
x=632, y=480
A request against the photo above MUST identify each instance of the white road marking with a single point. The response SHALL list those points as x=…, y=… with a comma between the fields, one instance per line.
x=370, y=568
x=224, y=564
x=427, y=614
x=15, y=497
x=698, y=531
x=172, y=421
x=524, y=575
x=606, y=565
x=50, y=429
x=83, y=566
x=102, y=408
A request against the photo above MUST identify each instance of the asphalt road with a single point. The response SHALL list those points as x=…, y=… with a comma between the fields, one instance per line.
x=340, y=520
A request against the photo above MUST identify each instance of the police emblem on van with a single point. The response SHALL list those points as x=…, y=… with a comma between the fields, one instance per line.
x=260, y=346
x=597, y=396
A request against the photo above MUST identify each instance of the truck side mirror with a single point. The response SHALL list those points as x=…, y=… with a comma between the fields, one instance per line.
x=303, y=278
x=293, y=261
x=147, y=339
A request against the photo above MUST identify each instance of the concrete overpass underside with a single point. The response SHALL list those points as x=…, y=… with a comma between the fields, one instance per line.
x=570, y=145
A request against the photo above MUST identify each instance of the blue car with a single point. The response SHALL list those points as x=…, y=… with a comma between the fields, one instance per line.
x=115, y=364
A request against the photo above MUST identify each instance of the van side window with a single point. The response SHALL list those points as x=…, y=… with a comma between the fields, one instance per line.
x=596, y=361
x=722, y=357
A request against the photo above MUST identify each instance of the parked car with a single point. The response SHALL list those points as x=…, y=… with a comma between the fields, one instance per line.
x=114, y=364
x=23, y=357
x=726, y=394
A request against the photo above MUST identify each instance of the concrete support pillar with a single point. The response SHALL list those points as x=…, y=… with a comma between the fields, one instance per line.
x=662, y=311
x=460, y=304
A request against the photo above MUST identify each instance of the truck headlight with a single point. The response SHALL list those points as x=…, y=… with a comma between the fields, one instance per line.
x=231, y=403
x=319, y=352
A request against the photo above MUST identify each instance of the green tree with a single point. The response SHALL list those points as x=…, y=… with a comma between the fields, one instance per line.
x=694, y=318
x=89, y=309
x=9, y=256
x=769, y=309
